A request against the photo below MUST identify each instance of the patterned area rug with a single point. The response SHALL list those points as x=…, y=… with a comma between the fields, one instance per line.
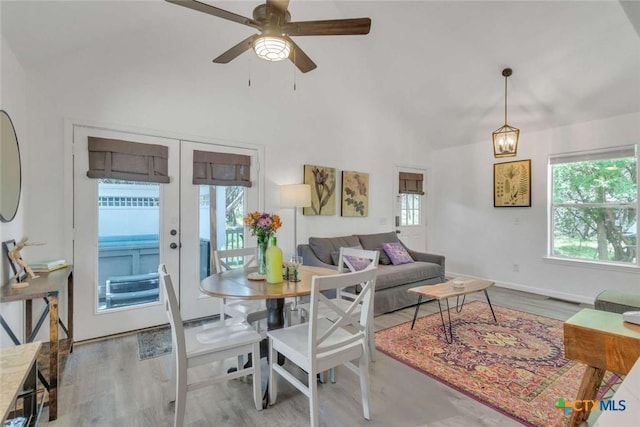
x=515, y=366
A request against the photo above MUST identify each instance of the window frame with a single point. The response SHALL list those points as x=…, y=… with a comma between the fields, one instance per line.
x=593, y=155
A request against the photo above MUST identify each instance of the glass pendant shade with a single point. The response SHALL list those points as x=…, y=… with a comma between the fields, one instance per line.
x=505, y=138
x=272, y=48
x=505, y=141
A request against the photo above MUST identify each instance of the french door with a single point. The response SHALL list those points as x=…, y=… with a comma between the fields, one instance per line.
x=124, y=229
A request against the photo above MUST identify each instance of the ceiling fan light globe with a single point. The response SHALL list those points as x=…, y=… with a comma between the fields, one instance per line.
x=272, y=48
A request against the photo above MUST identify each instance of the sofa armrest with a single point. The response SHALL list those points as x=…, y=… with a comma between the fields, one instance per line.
x=425, y=257
x=309, y=258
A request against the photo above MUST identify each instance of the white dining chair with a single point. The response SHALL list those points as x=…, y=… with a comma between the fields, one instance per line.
x=322, y=344
x=248, y=310
x=350, y=260
x=213, y=342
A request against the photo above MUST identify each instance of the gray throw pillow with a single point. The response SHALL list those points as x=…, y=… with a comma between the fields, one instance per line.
x=373, y=242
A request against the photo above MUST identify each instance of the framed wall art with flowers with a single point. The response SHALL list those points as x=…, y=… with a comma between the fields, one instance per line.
x=323, y=190
x=512, y=184
x=355, y=194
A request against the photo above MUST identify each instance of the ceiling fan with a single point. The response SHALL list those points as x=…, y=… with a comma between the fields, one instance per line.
x=274, y=42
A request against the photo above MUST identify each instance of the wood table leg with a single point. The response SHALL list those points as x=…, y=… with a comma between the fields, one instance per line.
x=53, y=356
x=588, y=391
x=28, y=320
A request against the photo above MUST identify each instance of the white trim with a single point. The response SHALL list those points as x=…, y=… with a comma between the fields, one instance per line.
x=532, y=290
x=598, y=265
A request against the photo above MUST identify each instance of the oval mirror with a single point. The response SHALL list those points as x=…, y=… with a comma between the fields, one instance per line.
x=10, y=171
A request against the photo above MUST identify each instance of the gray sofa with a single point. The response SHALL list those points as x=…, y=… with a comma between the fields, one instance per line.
x=392, y=280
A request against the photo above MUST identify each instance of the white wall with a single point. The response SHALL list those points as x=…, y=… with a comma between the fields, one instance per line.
x=13, y=99
x=483, y=241
x=127, y=82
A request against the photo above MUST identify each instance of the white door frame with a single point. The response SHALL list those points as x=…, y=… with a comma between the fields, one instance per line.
x=419, y=233
x=257, y=176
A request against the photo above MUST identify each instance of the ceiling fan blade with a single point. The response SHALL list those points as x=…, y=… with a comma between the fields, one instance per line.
x=299, y=58
x=216, y=11
x=333, y=27
x=235, y=51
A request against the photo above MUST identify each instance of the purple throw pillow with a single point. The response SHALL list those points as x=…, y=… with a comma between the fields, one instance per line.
x=357, y=262
x=397, y=253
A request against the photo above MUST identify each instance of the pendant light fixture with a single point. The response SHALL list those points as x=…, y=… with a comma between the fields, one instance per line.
x=505, y=139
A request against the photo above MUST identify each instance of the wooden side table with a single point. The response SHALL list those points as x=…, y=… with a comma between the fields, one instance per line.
x=48, y=287
x=604, y=342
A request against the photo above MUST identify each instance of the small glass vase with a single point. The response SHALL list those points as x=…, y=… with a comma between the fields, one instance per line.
x=263, y=243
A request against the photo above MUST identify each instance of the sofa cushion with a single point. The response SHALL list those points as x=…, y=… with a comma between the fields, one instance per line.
x=397, y=253
x=323, y=246
x=374, y=242
x=395, y=275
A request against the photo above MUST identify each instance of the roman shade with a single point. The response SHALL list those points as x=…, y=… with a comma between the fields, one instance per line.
x=410, y=183
x=131, y=161
x=222, y=169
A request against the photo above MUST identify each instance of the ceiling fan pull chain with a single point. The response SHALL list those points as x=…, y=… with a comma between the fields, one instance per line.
x=249, y=71
x=294, y=71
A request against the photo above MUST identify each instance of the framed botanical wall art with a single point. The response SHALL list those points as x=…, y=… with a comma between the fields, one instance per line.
x=323, y=190
x=355, y=194
x=512, y=184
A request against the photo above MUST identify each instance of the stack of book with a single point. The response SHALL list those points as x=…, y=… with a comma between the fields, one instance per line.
x=48, y=265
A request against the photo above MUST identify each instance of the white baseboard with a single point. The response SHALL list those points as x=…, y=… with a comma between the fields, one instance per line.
x=533, y=290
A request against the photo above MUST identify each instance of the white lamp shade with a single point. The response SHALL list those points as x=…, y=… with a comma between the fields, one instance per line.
x=295, y=195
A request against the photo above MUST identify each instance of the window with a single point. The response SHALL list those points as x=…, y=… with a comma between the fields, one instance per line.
x=409, y=209
x=594, y=206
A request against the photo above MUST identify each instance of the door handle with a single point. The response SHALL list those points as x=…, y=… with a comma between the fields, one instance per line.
x=397, y=231
x=173, y=245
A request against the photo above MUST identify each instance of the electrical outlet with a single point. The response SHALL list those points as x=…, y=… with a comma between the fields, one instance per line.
x=516, y=268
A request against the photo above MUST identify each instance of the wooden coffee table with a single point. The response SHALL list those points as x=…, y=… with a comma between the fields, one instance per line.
x=446, y=290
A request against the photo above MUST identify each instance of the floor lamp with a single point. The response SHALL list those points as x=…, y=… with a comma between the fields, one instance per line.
x=295, y=196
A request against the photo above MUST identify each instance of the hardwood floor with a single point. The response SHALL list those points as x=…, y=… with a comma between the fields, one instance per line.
x=104, y=384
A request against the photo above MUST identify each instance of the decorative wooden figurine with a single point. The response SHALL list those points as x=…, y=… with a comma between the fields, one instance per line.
x=16, y=258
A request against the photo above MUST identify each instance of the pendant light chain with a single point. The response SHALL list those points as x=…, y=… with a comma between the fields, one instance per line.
x=505, y=99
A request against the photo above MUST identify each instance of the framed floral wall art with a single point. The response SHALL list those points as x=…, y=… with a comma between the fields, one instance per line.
x=323, y=190
x=355, y=194
x=512, y=184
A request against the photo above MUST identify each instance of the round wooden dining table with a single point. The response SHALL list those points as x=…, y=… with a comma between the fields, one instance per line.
x=235, y=284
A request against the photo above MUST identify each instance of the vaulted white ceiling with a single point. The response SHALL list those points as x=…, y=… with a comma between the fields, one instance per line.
x=437, y=64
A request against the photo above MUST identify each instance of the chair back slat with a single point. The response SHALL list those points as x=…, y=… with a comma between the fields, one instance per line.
x=345, y=264
x=223, y=258
x=322, y=341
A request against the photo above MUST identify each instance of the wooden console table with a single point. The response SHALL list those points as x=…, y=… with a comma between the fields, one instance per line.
x=18, y=366
x=604, y=342
x=48, y=287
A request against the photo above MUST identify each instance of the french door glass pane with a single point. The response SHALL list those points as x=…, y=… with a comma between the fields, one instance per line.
x=128, y=243
x=224, y=207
